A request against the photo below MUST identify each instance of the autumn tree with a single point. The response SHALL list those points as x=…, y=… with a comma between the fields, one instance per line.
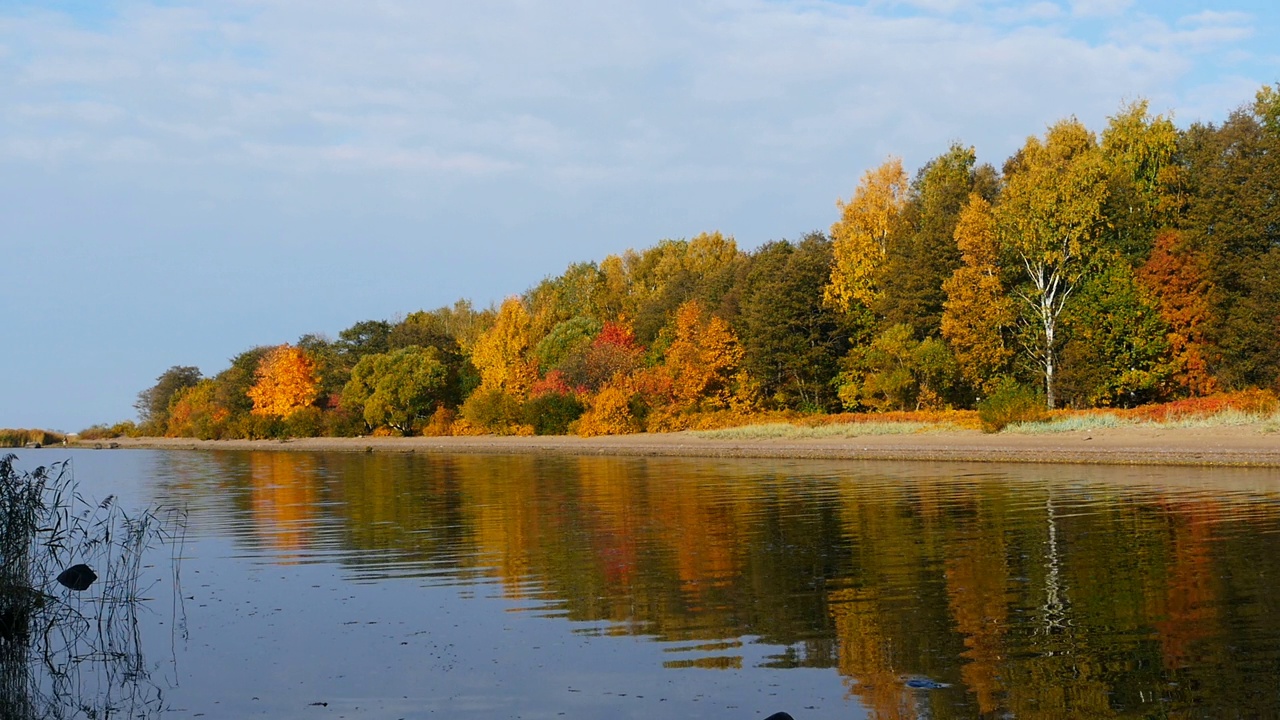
x=503, y=355
x=977, y=313
x=897, y=372
x=574, y=293
x=923, y=254
x=1049, y=219
x=398, y=389
x=861, y=236
x=153, y=403
x=703, y=359
x=1177, y=278
x=195, y=412
x=1233, y=211
x=647, y=287
x=614, y=351
x=1139, y=152
x=286, y=382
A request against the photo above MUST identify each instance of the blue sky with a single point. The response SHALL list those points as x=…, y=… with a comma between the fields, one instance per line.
x=184, y=180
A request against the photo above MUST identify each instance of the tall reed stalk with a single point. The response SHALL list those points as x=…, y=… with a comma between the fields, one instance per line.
x=67, y=653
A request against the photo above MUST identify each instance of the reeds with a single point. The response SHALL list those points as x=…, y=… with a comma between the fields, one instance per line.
x=56, y=642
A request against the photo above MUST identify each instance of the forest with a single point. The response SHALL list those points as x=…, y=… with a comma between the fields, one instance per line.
x=1091, y=270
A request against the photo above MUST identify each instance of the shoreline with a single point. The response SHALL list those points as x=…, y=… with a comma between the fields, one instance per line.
x=1224, y=446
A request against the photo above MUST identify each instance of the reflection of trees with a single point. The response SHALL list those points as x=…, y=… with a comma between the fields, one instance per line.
x=1025, y=598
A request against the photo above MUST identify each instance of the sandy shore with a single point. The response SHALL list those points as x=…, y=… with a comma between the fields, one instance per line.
x=1239, y=446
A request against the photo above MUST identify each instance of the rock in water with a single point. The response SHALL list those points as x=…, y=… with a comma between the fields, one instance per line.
x=77, y=577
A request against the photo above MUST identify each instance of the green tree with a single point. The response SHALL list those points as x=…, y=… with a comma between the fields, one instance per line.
x=792, y=341
x=897, y=372
x=1233, y=212
x=399, y=389
x=1117, y=352
x=1049, y=220
x=1139, y=152
x=153, y=403
x=923, y=255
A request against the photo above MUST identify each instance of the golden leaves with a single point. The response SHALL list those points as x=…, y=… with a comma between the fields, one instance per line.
x=287, y=381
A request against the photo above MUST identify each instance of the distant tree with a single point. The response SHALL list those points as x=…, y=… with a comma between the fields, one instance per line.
x=923, y=254
x=287, y=381
x=792, y=341
x=195, y=412
x=897, y=372
x=566, y=340
x=1140, y=153
x=1049, y=219
x=231, y=386
x=861, y=236
x=1178, y=279
x=978, y=314
x=503, y=355
x=575, y=293
x=367, y=337
x=703, y=359
x=153, y=403
x=1116, y=351
x=1233, y=212
x=399, y=389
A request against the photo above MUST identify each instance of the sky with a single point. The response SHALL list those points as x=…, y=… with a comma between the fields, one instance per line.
x=182, y=180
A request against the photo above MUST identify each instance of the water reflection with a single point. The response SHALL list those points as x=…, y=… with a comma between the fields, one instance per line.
x=933, y=591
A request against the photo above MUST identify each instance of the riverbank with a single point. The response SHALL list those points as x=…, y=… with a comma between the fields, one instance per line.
x=1234, y=446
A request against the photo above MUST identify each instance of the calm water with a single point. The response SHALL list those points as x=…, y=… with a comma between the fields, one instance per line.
x=406, y=586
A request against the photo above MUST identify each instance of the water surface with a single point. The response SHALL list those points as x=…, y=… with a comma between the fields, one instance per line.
x=412, y=586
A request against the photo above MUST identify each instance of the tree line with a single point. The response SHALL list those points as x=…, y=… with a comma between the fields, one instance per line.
x=1110, y=269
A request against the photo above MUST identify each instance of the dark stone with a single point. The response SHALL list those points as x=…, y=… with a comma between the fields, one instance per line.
x=77, y=577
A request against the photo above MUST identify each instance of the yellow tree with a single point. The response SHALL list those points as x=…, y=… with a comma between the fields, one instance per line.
x=860, y=238
x=977, y=312
x=702, y=359
x=1050, y=217
x=287, y=381
x=503, y=355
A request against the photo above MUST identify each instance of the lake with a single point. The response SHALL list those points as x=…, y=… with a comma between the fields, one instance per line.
x=370, y=585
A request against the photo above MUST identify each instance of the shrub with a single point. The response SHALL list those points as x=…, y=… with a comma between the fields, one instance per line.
x=441, y=423
x=303, y=423
x=608, y=413
x=1011, y=403
x=552, y=413
x=494, y=411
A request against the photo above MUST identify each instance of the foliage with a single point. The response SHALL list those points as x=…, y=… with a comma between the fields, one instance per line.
x=1049, y=219
x=14, y=438
x=702, y=360
x=923, y=255
x=398, y=389
x=977, y=313
x=495, y=411
x=861, y=237
x=552, y=413
x=153, y=403
x=1177, y=278
x=196, y=412
x=1010, y=403
x=898, y=372
x=792, y=341
x=504, y=354
x=565, y=341
x=609, y=412
x=287, y=382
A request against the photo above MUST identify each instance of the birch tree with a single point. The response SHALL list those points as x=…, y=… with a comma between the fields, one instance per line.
x=1049, y=219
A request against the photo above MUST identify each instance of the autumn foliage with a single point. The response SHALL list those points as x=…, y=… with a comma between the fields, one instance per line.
x=1114, y=269
x=287, y=381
